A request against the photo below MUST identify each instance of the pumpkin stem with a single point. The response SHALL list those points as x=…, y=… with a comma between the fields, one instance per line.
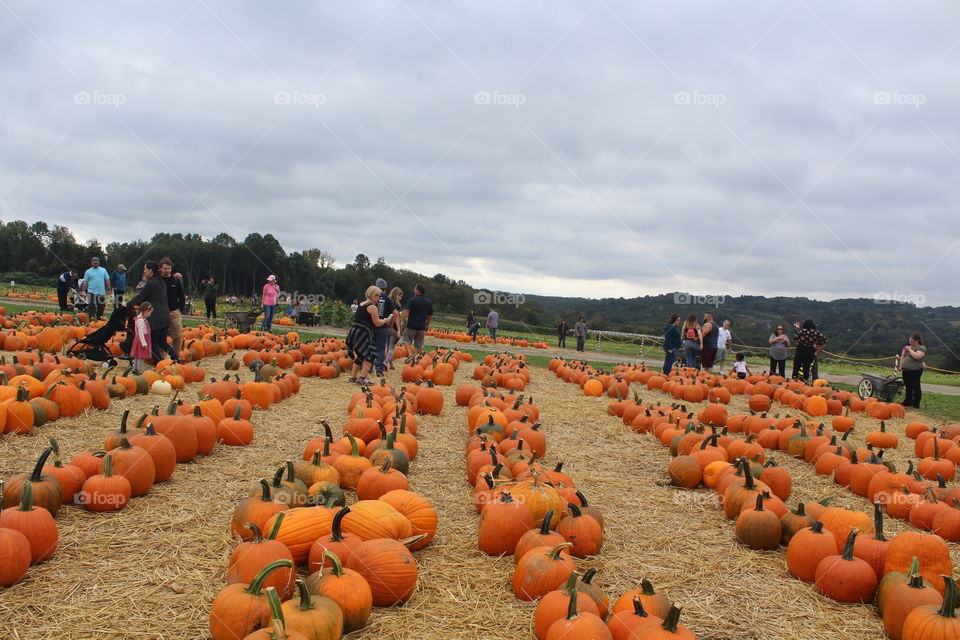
x=306, y=602
x=26, y=498
x=42, y=460
x=878, y=522
x=760, y=499
x=278, y=477
x=276, y=614
x=554, y=553
x=638, y=609
x=387, y=464
x=255, y=529
x=848, y=547
x=336, y=566
x=672, y=620
x=275, y=529
x=572, y=606
x=949, y=598
x=257, y=584
x=335, y=532
x=583, y=498
x=545, y=525
x=817, y=527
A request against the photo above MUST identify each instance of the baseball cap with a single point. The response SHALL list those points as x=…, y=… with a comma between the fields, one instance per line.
x=122, y=267
x=381, y=283
x=95, y=259
x=271, y=278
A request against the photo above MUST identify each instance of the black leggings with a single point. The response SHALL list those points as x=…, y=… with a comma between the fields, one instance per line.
x=778, y=367
x=911, y=383
x=802, y=362
x=211, y=304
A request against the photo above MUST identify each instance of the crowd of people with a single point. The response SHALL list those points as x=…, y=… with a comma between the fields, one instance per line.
x=705, y=344
x=380, y=322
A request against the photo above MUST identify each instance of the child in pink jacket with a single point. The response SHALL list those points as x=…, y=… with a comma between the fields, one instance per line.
x=140, y=350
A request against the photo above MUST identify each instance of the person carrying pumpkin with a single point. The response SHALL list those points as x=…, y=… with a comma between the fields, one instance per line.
x=140, y=349
x=361, y=342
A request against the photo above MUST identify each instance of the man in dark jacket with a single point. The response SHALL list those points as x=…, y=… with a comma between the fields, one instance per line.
x=176, y=301
x=65, y=283
x=118, y=281
x=154, y=291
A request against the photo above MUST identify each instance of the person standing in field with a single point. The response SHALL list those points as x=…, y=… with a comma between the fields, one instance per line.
x=910, y=363
x=209, y=295
x=779, y=343
x=562, y=334
x=417, y=318
x=691, y=340
x=66, y=283
x=580, y=330
x=473, y=324
x=671, y=343
x=154, y=291
x=810, y=342
x=271, y=291
x=493, y=320
x=740, y=366
x=708, y=342
x=393, y=329
x=96, y=282
x=176, y=301
x=724, y=343
x=361, y=344
x=140, y=348
x=388, y=312
x=118, y=280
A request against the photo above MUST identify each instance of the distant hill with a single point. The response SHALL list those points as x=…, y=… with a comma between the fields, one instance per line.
x=853, y=326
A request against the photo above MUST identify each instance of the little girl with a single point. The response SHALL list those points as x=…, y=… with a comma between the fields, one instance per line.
x=740, y=366
x=140, y=349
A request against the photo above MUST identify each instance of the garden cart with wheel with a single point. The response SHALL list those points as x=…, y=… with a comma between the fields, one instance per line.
x=242, y=321
x=883, y=388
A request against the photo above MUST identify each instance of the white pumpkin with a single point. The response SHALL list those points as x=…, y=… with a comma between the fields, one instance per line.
x=161, y=388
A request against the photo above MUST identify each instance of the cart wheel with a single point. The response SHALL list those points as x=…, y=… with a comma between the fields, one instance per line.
x=865, y=389
x=230, y=322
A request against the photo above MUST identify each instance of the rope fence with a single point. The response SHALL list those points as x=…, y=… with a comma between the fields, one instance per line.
x=642, y=340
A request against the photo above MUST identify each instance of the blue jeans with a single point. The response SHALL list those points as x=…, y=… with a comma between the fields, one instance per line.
x=493, y=332
x=691, y=349
x=380, y=344
x=267, y=317
x=669, y=357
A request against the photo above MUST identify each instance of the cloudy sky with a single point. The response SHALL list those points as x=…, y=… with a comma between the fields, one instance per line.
x=594, y=148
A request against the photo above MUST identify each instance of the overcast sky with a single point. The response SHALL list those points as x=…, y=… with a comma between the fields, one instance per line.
x=594, y=148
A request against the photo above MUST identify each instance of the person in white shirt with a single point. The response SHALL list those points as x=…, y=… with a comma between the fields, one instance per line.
x=740, y=366
x=724, y=342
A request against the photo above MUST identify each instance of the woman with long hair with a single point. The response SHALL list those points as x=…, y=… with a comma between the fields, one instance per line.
x=393, y=328
x=779, y=343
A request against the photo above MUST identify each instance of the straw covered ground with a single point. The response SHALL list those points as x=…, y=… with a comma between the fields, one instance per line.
x=152, y=570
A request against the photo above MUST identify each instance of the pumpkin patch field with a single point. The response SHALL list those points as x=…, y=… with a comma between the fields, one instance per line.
x=467, y=499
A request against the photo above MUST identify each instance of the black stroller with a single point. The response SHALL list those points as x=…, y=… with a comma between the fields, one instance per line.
x=94, y=346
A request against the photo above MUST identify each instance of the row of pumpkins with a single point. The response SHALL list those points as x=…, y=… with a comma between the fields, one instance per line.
x=460, y=336
x=355, y=557
x=691, y=385
x=132, y=460
x=543, y=520
x=843, y=552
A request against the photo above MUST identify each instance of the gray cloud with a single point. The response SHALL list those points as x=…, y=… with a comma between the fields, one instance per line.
x=581, y=149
